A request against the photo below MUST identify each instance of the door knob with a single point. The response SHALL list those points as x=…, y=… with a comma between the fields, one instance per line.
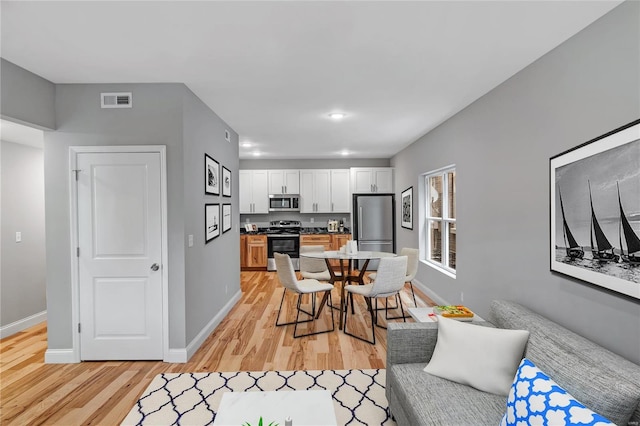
x=155, y=267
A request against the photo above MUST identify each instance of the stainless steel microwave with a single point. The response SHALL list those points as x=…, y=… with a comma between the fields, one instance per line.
x=284, y=203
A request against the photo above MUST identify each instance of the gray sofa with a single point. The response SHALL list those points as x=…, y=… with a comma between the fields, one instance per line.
x=603, y=381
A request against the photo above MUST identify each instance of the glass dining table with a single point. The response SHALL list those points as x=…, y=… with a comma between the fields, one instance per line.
x=348, y=264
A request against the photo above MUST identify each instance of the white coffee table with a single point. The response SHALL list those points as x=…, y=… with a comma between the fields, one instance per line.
x=313, y=407
x=426, y=315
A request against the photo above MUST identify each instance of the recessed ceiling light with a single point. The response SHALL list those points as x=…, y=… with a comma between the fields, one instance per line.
x=344, y=152
x=256, y=154
x=246, y=144
x=337, y=115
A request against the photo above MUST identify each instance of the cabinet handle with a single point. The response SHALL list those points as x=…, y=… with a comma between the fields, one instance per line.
x=285, y=189
x=331, y=206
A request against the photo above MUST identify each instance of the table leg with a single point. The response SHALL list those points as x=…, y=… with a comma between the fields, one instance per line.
x=343, y=281
x=333, y=280
x=362, y=271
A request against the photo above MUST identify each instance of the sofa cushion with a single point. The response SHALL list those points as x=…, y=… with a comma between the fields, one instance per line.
x=603, y=381
x=536, y=399
x=430, y=400
x=482, y=357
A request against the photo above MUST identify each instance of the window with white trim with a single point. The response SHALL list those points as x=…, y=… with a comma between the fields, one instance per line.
x=440, y=219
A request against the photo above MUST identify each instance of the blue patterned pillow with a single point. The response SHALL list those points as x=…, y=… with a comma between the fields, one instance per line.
x=535, y=399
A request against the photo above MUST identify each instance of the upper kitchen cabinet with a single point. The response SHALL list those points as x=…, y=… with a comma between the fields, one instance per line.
x=325, y=191
x=315, y=191
x=367, y=180
x=340, y=191
x=284, y=181
x=254, y=191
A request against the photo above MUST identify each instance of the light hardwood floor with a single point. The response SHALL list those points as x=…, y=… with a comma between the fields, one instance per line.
x=35, y=393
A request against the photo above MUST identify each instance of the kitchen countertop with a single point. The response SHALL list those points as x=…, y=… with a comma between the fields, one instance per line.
x=304, y=231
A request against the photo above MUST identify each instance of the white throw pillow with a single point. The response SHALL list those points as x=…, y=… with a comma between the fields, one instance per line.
x=482, y=357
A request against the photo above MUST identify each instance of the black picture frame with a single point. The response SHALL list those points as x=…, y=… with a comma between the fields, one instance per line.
x=406, y=208
x=592, y=189
x=226, y=182
x=226, y=218
x=211, y=176
x=211, y=221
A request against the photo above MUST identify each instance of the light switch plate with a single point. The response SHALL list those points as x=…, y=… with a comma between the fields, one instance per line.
x=190, y=240
x=18, y=237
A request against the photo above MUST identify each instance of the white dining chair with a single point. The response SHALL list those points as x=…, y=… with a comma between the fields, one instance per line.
x=389, y=281
x=287, y=277
x=311, y=268
x=413, y=258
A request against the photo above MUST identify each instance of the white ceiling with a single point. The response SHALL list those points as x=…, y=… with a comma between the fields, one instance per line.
x=275, y=70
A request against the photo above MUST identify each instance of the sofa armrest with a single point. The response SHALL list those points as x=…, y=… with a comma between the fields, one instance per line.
x=410, y=342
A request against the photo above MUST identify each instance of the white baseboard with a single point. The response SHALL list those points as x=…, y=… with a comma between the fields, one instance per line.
x=23, y=324
x=176, y=356
x=432, y=295
x=208, y=329
x=60, y=356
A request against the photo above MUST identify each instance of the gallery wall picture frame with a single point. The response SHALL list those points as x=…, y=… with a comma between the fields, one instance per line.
x=594, y=215
x=226, y=182
x=407, y=208
x=211, y=176
x=226, y=218
x=211, y=221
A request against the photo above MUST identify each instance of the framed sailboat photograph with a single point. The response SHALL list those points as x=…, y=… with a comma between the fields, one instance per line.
x=595, y=211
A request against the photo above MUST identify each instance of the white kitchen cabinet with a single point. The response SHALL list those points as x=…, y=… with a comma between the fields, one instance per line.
x=340, y=191
x=315, y=191
x=254, y=191
x=366, y=180
x=284, y=181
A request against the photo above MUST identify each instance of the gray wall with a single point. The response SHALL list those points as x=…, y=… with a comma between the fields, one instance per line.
x=212, y=271
x=22, y=285
x=155, y=119
x=501, y=146
x=26, y=98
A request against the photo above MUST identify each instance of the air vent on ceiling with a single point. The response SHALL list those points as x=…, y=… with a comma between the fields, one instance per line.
x=116, y=100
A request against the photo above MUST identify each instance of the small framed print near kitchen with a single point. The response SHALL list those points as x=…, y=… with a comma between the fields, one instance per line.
x=226, y=182
x=211, y=221
x=407, y=208
x=226, y=217
x=211, y=176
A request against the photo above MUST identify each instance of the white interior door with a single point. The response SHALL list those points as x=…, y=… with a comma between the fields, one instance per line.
x=120, y=252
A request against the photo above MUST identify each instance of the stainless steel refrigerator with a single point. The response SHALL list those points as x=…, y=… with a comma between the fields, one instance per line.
x=374, y=224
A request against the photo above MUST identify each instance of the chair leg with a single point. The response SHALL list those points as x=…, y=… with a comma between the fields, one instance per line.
x=371, y=311
x=398, y=303
x=293, y=322
x=298, y=310
x=404, y=318
x=413, y=293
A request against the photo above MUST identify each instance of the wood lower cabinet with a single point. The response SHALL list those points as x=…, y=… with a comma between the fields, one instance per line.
x=339, y=240
x=256, y=251
x=317, y=240
x=331, y=242
x=243, y=251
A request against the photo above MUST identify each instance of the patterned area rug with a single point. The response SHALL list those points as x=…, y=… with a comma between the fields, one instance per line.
x=193, y=398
